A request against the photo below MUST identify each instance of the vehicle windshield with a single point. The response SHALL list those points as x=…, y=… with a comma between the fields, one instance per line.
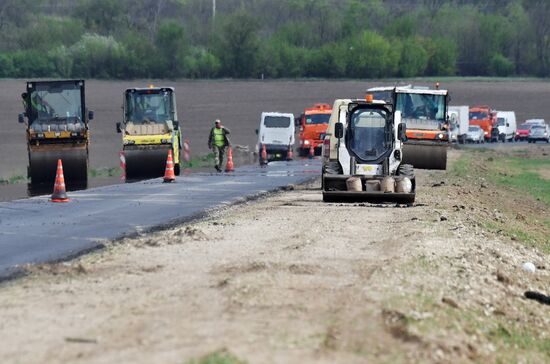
x=473, y=128
x=501, y=122
x=382, y=95
x=537, y=127
x=478, y=115
x=277, y=121
x=524, y=127
x=317, y=119
x=421, y=106
x=370, y=134
x=149, y=106
x=55, y=102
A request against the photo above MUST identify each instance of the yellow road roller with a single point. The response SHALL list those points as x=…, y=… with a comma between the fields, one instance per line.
x=149, y=129
x=57, y=128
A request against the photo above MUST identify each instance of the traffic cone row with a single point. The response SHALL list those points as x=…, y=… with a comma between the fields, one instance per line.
x=229, y=167
x=59, y=192
x=169, y=175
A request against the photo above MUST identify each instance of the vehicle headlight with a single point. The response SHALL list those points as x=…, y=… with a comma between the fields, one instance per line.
x=306, y=142
x=440, y=136
x=164, y=141
x=40, y=135
x=128, y=141
x=486, y=132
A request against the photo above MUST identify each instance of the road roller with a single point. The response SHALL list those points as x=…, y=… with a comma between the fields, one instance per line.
x=149, y=129
x=57, y=128
x=424, y=111
x=363, y=154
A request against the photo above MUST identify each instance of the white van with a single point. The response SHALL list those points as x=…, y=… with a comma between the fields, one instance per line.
x=506, y=124
x=459, y=121
x=276, y=134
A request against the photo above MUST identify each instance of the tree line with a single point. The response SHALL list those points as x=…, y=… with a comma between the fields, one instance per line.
x=127, y=39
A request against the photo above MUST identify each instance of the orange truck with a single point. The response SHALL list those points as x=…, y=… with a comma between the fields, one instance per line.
x=313, y=126
x=484, y=117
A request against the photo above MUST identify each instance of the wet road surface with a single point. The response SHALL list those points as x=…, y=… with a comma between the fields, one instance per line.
x=36, y=230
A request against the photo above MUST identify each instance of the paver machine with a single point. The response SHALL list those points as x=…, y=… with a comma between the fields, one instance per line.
x=424, y=111
x=57, y=128
x=363, y=154
x=150, y=128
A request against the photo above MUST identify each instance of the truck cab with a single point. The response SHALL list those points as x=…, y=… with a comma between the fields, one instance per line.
x=313, y=126
x=485, y=118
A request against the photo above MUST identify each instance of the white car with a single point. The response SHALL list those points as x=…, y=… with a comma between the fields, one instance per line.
x=539, y=132
x=475, y=134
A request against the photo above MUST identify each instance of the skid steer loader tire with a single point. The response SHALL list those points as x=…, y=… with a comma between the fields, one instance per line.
x=331, y=167
x=407, y=170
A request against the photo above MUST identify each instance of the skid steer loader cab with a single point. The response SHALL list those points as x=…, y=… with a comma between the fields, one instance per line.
x=364, y=141
x=150, y=128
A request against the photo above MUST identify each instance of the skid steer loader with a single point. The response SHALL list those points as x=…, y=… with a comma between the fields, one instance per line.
x=364, y=144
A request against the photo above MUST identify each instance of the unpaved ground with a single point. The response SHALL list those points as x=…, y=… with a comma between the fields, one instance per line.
x=289, y=279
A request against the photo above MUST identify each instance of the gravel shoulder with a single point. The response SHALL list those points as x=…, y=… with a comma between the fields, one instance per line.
x=290, y=279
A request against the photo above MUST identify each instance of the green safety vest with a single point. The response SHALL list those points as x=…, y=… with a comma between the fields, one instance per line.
x=219, y=137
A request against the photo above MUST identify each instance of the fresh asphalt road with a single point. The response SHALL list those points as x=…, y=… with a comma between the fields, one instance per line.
x=36, y=230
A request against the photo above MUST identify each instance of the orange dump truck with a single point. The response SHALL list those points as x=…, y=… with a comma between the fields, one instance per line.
x=313, y=126
x=484, y=117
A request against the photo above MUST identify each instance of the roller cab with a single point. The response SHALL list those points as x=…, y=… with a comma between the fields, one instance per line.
x=424, y=112
x=150, y=128
x=57, y=128
x=362, y=154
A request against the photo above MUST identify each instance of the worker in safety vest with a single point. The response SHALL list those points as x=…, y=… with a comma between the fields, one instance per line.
x=218, y=142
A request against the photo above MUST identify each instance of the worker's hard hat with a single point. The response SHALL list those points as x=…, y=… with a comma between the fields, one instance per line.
x=217, y=121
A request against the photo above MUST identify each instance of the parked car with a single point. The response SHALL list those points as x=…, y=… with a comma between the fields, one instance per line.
x=539, y=132
x=475, y=134
x=522, y=132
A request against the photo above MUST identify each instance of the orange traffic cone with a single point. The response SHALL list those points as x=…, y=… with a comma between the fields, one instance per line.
x=59, y=193
x=290, y=153
x=263, y=155
x=311, y=152
x=229, y=167
x=169, y=175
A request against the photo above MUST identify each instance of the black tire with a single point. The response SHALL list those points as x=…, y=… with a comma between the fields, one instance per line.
x=407, y=170
x=177, y=169
x=331, y=167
